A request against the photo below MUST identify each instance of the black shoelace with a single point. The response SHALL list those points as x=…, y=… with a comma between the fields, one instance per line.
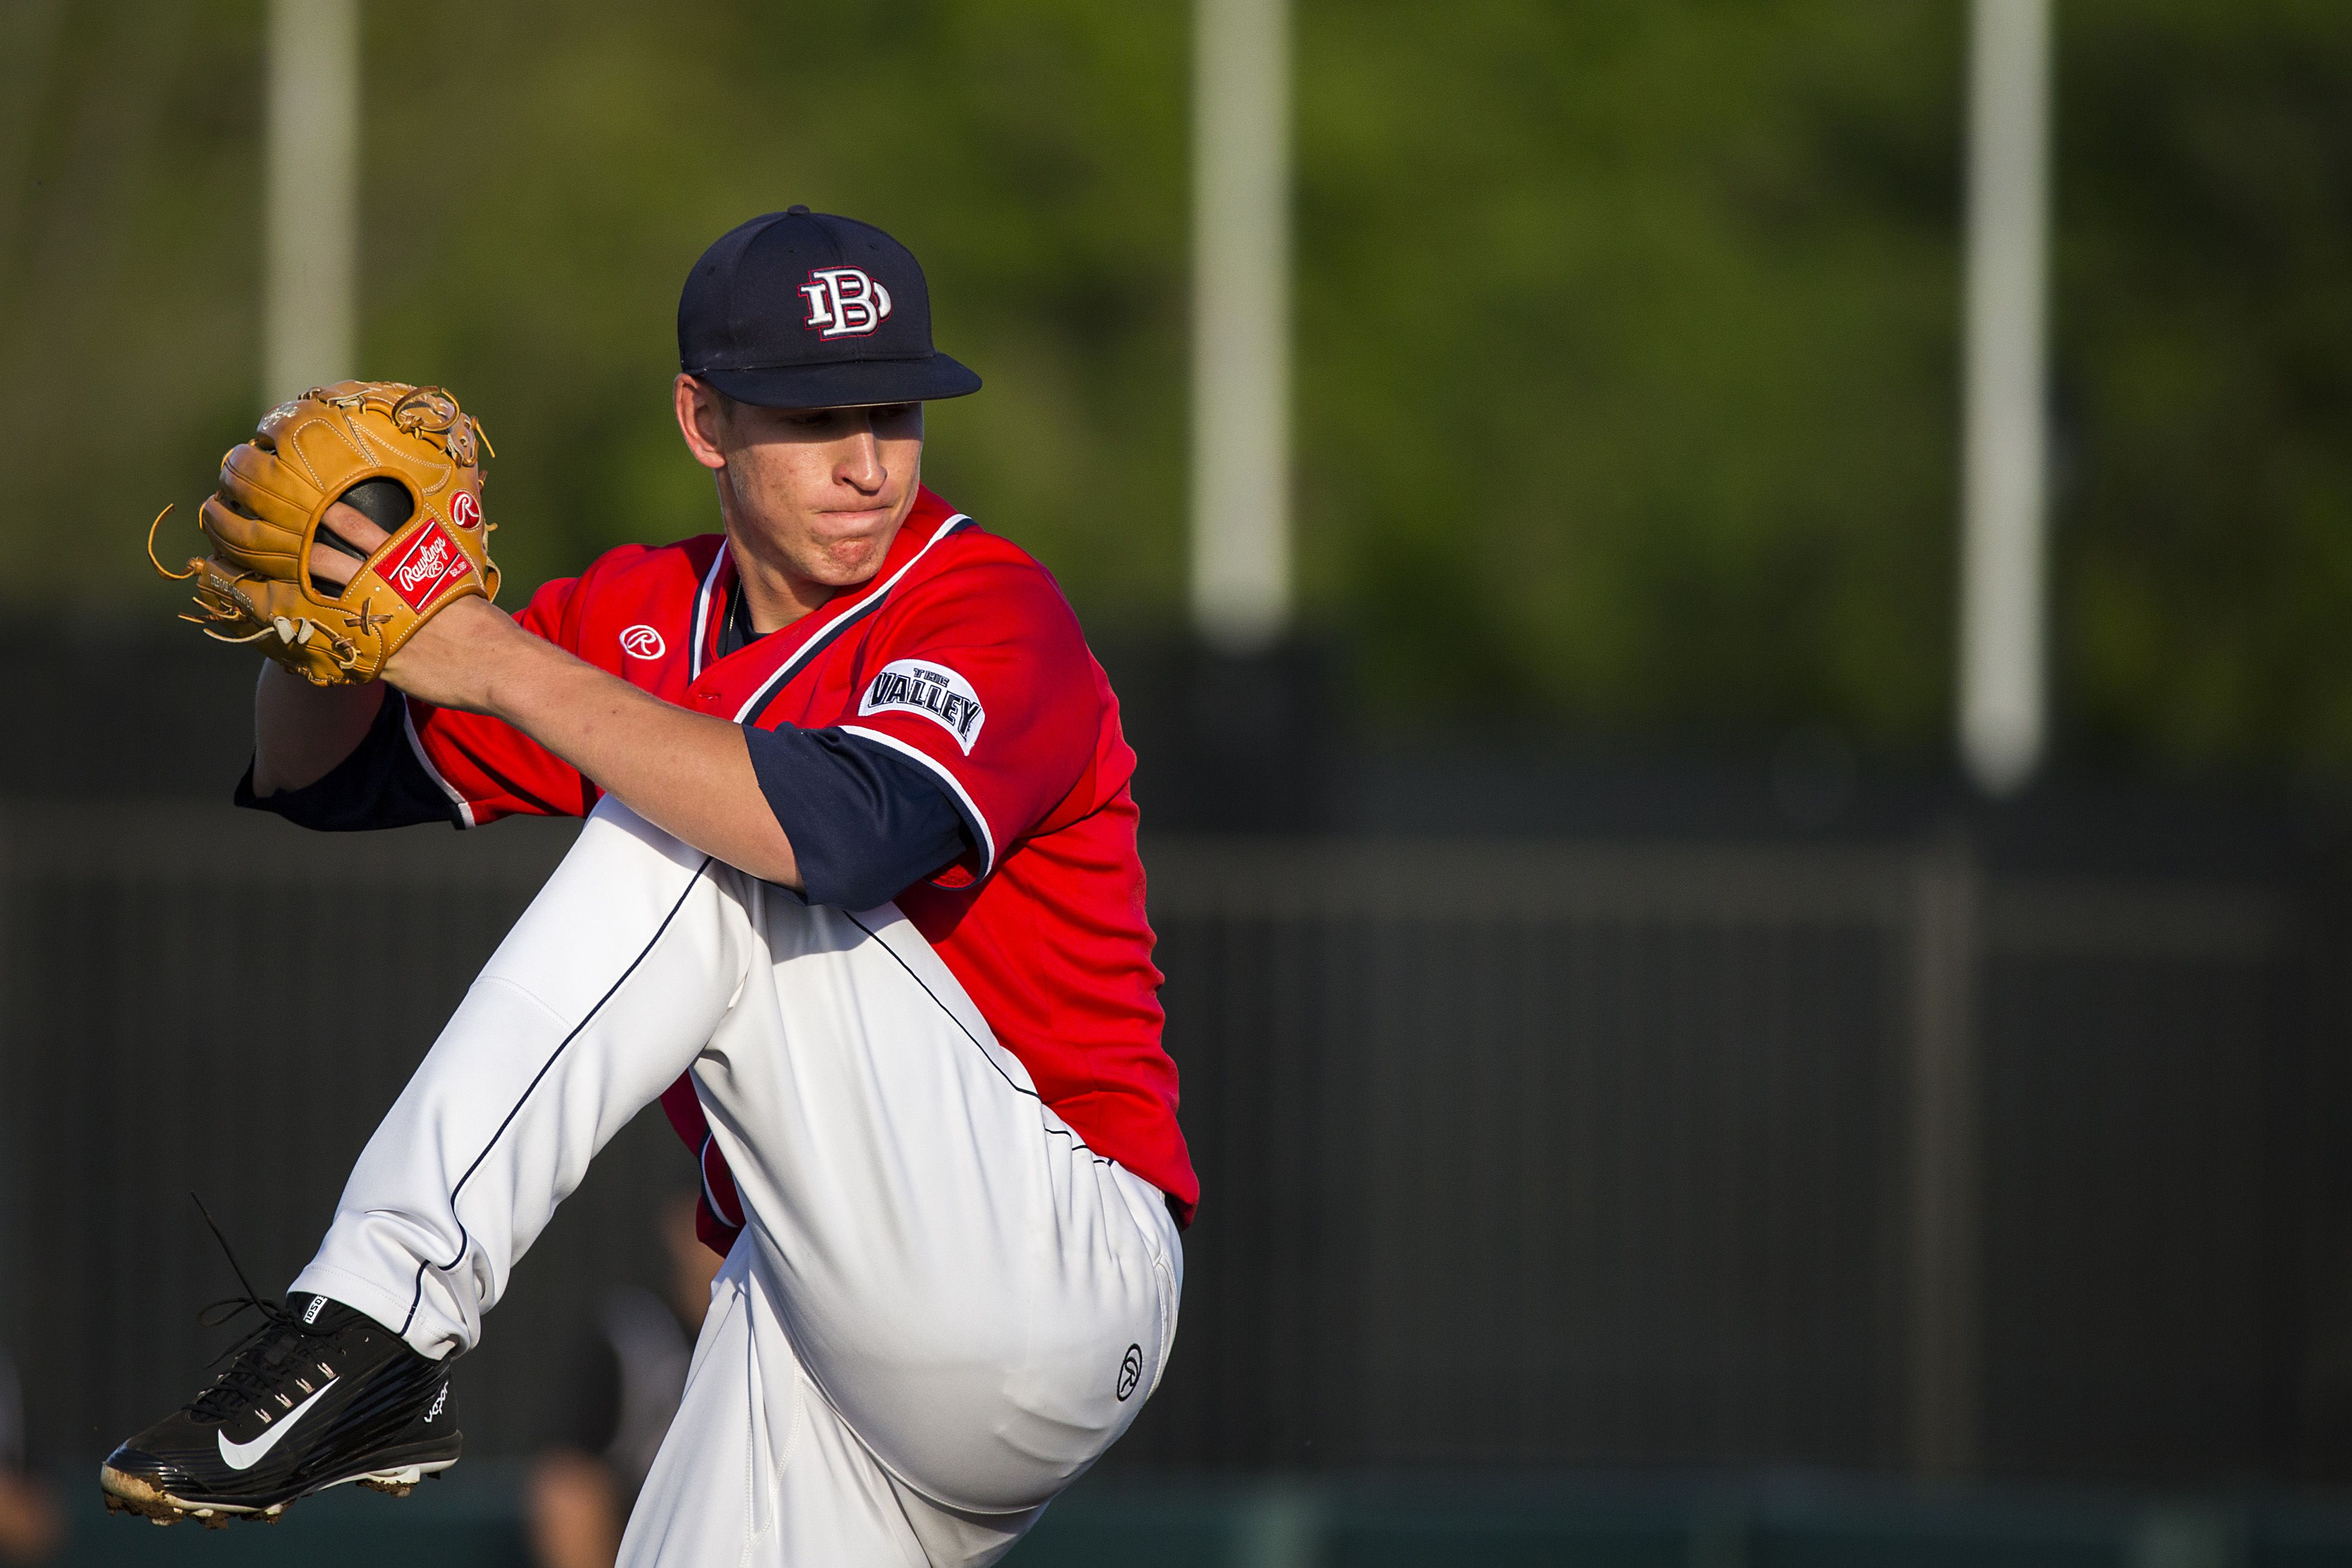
x=260, y=1362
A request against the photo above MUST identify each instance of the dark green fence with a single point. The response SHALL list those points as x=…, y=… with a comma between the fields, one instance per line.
x=1531, y=1156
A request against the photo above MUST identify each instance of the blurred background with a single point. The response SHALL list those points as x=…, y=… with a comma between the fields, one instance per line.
x=1735, y=617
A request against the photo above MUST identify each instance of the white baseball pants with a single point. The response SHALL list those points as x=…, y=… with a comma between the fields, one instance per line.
x=943, y=1306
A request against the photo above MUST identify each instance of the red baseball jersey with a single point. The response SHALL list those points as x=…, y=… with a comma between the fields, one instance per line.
x=962, y=656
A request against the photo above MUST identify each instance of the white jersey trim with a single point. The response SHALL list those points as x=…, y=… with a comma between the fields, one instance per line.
x=702, y=612
x=816, y=644
x=416, y=743
x=979, y=820
x=710, y=1193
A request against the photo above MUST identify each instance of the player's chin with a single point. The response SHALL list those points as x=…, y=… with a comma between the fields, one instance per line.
x=845, y=562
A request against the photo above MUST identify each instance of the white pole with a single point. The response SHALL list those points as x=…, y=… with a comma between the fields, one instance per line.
x=2003, y=611
x=1240, y=322
x=312, y=211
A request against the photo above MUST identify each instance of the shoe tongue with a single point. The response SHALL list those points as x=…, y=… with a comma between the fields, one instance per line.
x=317, y=1314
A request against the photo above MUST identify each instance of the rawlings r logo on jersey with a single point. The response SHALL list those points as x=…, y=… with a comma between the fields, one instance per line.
x=935, y=691
x=431, y=564
x=845, y=302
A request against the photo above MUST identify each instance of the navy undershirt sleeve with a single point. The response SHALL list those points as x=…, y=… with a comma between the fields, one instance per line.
x=864, y=823
x=383, y=783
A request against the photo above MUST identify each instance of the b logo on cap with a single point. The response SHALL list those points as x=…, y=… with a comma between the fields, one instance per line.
x=845, y=302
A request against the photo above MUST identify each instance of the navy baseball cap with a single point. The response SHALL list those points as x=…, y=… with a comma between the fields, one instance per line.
x=803, y=310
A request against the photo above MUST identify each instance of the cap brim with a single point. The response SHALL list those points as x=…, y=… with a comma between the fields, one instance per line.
x=851, y=384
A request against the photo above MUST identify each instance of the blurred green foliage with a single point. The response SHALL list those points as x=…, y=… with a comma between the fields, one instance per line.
x=1627, y=332
x=2204, y=302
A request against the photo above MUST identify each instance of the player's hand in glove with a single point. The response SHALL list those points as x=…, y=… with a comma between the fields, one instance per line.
x=447, y=663
x=407, y=457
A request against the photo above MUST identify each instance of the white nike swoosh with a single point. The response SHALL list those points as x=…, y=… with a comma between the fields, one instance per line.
x=245, y=1456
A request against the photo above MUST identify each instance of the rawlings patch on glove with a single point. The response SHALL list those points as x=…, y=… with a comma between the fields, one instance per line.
x=406, y=457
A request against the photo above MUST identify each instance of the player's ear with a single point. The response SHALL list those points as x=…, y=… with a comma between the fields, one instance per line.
x=702, y=419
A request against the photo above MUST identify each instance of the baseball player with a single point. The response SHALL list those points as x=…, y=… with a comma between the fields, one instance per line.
x=857, y=898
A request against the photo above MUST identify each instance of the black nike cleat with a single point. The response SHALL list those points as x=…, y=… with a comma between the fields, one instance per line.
x=318, y=1395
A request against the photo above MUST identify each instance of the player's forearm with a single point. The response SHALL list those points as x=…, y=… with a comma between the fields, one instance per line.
x=300, y=731
x=687, y=774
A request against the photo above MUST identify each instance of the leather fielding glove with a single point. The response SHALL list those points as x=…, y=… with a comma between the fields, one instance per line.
x=406, y=457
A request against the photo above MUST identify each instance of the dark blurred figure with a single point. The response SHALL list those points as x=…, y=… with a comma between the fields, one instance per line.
x=629, y=1384
x=30, y=1525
